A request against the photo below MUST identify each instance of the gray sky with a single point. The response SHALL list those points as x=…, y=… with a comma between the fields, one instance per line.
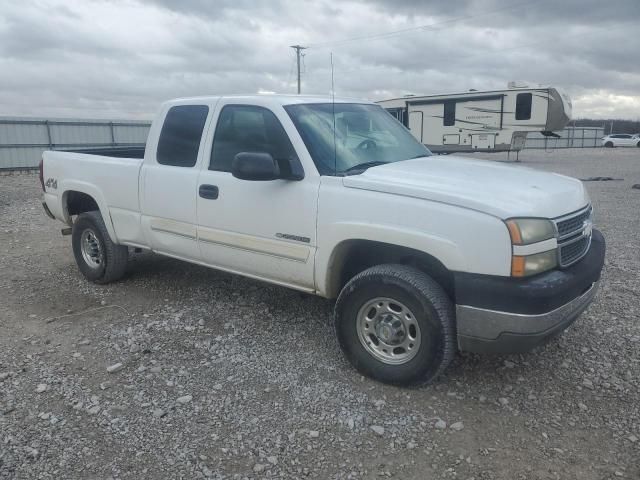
x=120, y=58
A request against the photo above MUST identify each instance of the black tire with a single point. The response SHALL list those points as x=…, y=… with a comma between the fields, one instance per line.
x=112, y=258
x=609, y=144
x=424, y=297
x=638, y=144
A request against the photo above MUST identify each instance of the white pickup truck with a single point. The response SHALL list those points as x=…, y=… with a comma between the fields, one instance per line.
x=426, y=255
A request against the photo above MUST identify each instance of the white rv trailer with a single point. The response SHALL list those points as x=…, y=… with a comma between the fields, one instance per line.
x=489, y=121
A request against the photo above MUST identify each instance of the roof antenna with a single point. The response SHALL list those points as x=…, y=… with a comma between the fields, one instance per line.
x=333, y=111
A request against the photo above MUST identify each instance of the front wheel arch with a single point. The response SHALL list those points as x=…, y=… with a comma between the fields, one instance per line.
x=351, y=257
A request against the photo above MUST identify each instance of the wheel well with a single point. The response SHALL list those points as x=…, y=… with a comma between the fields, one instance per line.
x=79, y=202
x=354, y=256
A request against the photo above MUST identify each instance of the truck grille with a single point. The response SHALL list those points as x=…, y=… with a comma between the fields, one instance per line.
x=573, y=252
x=574, y=236
x=574, y=224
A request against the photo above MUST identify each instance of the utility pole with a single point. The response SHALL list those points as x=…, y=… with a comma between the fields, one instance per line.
x=298, y=49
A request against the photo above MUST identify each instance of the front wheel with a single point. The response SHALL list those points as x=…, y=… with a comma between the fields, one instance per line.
x=396, y=325
x=98, y=258
x=609, y=144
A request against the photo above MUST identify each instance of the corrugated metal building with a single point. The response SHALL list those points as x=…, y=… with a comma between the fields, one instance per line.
x=22, y=140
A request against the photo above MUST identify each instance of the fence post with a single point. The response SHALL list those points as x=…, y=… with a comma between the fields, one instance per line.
x=113, y=137
x=48, y=127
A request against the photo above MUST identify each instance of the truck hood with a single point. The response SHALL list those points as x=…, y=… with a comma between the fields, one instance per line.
x=500, y=190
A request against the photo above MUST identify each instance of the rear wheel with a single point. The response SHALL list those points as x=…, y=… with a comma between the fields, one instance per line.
x=609, y=144
x=98, y=258
x=638, y=144
x=396, y=324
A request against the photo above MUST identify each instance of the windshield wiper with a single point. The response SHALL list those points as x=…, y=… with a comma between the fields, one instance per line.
x=361, y=167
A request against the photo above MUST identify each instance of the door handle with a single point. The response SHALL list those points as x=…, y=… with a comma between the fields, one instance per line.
x=208, y=191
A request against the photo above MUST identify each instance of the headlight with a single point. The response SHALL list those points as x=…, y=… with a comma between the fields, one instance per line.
x=523, y=266
x=524, y=231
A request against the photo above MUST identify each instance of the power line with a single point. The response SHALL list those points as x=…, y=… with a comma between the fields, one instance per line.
x=484, y=53
x=418, y=28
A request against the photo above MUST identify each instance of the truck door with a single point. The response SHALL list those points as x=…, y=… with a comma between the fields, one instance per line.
x=265, y=229
x=168, y=183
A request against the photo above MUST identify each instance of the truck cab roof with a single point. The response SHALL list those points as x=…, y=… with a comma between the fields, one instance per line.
x=269, y=100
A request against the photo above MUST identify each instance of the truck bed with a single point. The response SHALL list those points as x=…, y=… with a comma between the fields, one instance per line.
x=116, y=152
x=111, y=180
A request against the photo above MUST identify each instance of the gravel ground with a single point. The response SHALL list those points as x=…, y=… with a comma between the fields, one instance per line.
x=183, y=372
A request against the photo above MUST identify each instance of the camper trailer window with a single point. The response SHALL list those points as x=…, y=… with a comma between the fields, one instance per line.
x=396, y=113
x=523, y=106
x=449, y=117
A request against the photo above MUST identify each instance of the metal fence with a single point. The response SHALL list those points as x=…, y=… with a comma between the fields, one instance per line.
x=570, y=137
x=22, y=140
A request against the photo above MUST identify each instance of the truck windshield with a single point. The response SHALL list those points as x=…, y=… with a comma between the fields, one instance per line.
x=348, y=138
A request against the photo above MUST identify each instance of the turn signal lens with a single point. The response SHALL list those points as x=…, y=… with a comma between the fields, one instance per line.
x=517, y=266
x=514, y=232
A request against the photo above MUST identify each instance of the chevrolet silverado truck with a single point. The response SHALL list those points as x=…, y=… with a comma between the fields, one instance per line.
x=425, y=255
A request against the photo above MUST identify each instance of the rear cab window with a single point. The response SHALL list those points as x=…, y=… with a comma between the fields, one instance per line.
x=181, y=135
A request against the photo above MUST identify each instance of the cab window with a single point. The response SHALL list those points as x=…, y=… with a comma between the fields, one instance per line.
x=181, y=134
x=249, y=128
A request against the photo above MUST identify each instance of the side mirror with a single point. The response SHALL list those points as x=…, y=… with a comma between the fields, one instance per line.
x=255, y=166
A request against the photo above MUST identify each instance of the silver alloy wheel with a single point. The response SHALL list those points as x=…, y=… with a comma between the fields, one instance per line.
x=91, y=249
x=388, y=330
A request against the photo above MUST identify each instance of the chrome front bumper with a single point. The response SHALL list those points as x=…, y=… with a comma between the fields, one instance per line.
x=484, y=331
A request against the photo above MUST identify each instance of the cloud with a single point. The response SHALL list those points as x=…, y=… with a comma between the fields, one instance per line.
x=121, y=58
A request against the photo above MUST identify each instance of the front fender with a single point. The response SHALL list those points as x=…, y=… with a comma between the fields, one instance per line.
x=442, y=249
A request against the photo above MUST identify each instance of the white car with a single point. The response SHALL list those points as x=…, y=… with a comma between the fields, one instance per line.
x=621, y=140
x=426, y=255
